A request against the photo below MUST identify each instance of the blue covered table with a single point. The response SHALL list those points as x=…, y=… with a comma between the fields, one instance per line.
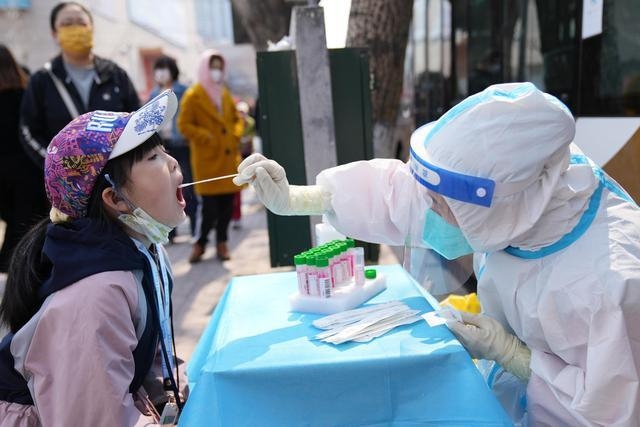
x=256, y=365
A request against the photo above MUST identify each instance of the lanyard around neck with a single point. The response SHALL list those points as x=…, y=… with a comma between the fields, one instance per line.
x=160, y=275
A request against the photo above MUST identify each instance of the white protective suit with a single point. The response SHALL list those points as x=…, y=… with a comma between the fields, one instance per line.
x=558, y=248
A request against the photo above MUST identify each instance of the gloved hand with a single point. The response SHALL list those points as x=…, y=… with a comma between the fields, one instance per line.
x=486, y=338
x=270, y=182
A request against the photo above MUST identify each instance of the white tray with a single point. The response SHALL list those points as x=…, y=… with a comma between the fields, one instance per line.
x=345, y=297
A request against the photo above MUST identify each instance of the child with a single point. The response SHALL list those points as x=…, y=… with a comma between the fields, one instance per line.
x=87, y=298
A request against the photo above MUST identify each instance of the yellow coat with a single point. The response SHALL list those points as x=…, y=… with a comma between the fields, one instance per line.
x=213, y=137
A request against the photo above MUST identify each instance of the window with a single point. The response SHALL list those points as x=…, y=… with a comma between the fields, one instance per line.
x=168, y=20
x=214, y=20
x=496, y=41
x=610, y=63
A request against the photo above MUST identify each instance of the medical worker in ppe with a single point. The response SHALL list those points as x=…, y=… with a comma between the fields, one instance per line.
x=556, y=243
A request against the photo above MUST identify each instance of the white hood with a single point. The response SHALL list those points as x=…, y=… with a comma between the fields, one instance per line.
x=513, y=134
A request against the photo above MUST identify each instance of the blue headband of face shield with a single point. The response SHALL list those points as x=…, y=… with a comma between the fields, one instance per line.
x=465, y=188
x=458, y=186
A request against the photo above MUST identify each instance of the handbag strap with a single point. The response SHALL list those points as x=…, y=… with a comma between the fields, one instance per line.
x=64, y=93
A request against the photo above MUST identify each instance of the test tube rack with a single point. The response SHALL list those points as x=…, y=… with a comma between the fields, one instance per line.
x=345, y=297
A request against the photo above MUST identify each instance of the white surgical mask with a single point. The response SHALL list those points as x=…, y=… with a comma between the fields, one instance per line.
x=146, y=225
x=216, y=75
x=162, y=76
x=140, y=221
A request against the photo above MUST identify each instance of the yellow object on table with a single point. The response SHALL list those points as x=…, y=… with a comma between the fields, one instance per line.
x=469, y=303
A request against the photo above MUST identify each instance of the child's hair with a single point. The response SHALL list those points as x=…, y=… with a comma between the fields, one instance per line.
x=28, y=268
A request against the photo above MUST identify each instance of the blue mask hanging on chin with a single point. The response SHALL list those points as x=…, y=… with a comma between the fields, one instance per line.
x=444, y=238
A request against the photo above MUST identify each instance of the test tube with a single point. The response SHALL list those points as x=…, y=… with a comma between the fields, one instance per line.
x=344, y=261
x=324, y=275
x=351, y=244
x=300, y=261
x=334, y=264
x=312, y=275
x=359, y=265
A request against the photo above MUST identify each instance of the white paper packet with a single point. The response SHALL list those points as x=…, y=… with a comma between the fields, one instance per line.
x=440, y=317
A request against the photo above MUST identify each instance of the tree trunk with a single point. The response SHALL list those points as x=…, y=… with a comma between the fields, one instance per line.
x=383, y=27
x=264, y=20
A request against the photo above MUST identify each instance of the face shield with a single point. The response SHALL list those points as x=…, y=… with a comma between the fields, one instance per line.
x=490, y=157
x=442, y=275
x=499, y=158
x=465, y=188
x=436, y=274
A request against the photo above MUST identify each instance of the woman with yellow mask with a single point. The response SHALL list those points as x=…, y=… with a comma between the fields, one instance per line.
x=74, y=82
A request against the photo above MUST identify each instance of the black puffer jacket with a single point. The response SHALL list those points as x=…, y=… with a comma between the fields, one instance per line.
x=44, y=114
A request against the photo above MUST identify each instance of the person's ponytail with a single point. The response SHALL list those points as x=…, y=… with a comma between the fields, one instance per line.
x=27, y=270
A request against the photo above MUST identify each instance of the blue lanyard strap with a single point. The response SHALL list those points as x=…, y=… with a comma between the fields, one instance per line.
x=163, y=302
x=587, y=217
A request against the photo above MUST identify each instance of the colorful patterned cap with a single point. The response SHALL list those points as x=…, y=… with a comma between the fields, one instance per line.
x=79, y=152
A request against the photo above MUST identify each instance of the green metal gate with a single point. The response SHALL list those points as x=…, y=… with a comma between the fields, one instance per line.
x=281, y=132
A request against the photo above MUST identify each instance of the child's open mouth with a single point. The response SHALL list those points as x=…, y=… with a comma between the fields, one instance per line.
x=180, y=197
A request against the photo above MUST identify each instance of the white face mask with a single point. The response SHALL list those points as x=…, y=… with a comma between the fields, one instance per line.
x=141, y=222
x=216, y=75
x=162, y=76
x=145, y=224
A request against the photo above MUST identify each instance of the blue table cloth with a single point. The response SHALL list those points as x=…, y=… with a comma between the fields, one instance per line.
x=256, y=365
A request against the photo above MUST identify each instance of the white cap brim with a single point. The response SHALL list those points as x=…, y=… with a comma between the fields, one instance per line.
x=151, y=117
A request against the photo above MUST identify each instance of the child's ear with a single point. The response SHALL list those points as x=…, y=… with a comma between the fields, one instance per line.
x=113, y=201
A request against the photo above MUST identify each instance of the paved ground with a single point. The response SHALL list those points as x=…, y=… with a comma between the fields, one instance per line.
x=198, y=287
